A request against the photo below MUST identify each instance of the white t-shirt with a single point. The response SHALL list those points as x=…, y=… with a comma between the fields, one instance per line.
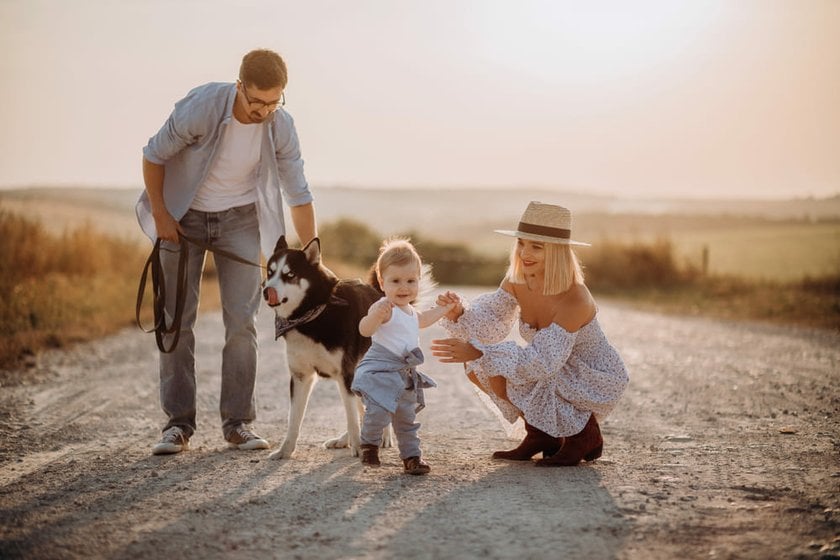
x=401, y=333
x=231, y=180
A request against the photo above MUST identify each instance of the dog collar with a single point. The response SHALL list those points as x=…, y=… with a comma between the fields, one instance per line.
x=283, y=325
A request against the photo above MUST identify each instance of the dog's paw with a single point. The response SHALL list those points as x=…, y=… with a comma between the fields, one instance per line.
x=387, y=437
x=355, y=451
x=285, y=452
x=337, y=443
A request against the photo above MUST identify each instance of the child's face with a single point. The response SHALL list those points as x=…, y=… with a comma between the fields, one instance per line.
x=400, y=283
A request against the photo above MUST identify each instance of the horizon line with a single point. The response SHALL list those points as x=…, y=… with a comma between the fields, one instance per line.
x=496, y=188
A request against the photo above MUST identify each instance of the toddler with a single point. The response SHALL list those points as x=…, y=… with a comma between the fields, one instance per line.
x=387, y=379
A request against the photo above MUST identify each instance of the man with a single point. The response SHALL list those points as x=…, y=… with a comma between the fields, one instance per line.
x=215, y=172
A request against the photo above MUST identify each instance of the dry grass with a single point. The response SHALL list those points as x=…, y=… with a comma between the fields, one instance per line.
x=810, y=303
x=68, y=287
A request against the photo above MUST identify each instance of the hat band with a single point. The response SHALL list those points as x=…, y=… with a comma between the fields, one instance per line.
x=545, y=230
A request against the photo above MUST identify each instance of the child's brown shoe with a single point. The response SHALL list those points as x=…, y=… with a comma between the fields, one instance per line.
x=416, y=465
x=370, y=455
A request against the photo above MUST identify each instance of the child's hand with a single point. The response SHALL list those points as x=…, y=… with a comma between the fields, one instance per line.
x=452, y=302
x=381, y=310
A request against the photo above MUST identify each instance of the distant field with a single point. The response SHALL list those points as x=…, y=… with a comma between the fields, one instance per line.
x=761, y=241
x=753, y=249
x=775, y=252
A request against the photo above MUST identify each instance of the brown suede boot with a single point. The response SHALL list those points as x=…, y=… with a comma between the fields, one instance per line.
x=416, y=465
x=535, y=441
x=586, y=445
x=370, y=455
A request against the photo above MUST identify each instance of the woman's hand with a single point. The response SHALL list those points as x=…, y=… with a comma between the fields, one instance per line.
x=451, y=299
x=455, y=351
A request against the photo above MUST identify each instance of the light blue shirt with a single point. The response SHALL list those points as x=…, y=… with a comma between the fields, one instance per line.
x=186, y=144
x=383, y=377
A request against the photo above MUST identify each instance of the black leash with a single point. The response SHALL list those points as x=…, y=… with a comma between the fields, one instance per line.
x=159, y=289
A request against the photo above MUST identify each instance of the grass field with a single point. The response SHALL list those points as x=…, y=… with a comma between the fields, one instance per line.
x=780, y=250
x=783, y=252
x=70, y=271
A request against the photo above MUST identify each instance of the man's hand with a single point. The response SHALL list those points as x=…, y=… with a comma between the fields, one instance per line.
x=167, y=227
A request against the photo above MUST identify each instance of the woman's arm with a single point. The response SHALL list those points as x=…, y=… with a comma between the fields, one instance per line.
x=489, y=318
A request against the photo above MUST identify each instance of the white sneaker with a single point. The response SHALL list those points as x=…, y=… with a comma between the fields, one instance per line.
x=243, y=438
x=174, y=440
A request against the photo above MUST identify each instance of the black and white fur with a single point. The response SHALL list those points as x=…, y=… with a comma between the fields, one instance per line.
x=329, y=345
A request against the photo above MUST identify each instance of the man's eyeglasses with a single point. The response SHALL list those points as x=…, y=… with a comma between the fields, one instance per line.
x=260, y=104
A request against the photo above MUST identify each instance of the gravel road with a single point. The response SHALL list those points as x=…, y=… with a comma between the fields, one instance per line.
x=726, y=445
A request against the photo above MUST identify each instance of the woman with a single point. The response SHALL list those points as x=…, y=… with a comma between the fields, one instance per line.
x=568, y=373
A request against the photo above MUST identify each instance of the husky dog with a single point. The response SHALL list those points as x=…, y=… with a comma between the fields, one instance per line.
x=318, y=315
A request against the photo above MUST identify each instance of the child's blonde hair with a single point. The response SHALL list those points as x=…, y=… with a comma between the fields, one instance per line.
x=562, y=268
x=397, y=251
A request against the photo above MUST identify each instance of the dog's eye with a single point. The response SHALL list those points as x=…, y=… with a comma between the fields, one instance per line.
x=288, y=275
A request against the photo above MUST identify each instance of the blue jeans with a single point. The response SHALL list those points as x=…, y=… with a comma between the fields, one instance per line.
x=237, y=231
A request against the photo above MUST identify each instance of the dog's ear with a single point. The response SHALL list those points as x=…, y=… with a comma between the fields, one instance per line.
x=313, y=251
x=281, y=244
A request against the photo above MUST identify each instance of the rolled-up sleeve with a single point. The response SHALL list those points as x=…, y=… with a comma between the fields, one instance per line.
x=181, y=129
x=290, y=163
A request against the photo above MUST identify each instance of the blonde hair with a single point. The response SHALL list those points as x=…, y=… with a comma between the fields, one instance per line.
x=397, y=251
x=562, y=268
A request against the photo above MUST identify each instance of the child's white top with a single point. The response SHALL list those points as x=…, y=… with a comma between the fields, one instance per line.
x=401, y=333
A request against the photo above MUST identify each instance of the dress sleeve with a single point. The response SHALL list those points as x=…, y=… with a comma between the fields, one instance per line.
x=488, y=319
x=541, y=359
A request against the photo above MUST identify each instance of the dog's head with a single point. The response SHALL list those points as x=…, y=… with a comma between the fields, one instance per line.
x=296, y=280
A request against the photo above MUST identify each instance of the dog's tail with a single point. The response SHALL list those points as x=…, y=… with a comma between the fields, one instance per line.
x=425, y=289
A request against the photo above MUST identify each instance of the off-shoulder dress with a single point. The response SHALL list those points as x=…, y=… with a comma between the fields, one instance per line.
x=556, y=380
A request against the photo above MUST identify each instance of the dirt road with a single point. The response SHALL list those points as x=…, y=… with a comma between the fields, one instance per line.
x=726, y=445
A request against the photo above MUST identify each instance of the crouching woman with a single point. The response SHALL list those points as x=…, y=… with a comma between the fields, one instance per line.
x=568, y=375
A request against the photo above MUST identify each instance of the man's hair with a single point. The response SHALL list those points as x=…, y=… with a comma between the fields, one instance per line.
x=562, y=268
x=396, y=251
x=263, y=69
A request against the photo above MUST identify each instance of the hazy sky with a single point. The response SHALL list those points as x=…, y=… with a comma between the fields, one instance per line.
x=723, y=98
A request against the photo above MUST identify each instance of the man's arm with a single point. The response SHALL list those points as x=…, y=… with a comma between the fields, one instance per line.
x=303, y=218
x=166, y=226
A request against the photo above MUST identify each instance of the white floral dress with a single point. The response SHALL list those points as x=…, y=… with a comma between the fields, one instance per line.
x=557, y=380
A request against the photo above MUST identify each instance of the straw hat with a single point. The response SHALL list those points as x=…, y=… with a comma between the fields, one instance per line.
x=545, y=222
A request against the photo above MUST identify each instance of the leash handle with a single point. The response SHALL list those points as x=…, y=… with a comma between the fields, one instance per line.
x=154, y=265
x=159, y=297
